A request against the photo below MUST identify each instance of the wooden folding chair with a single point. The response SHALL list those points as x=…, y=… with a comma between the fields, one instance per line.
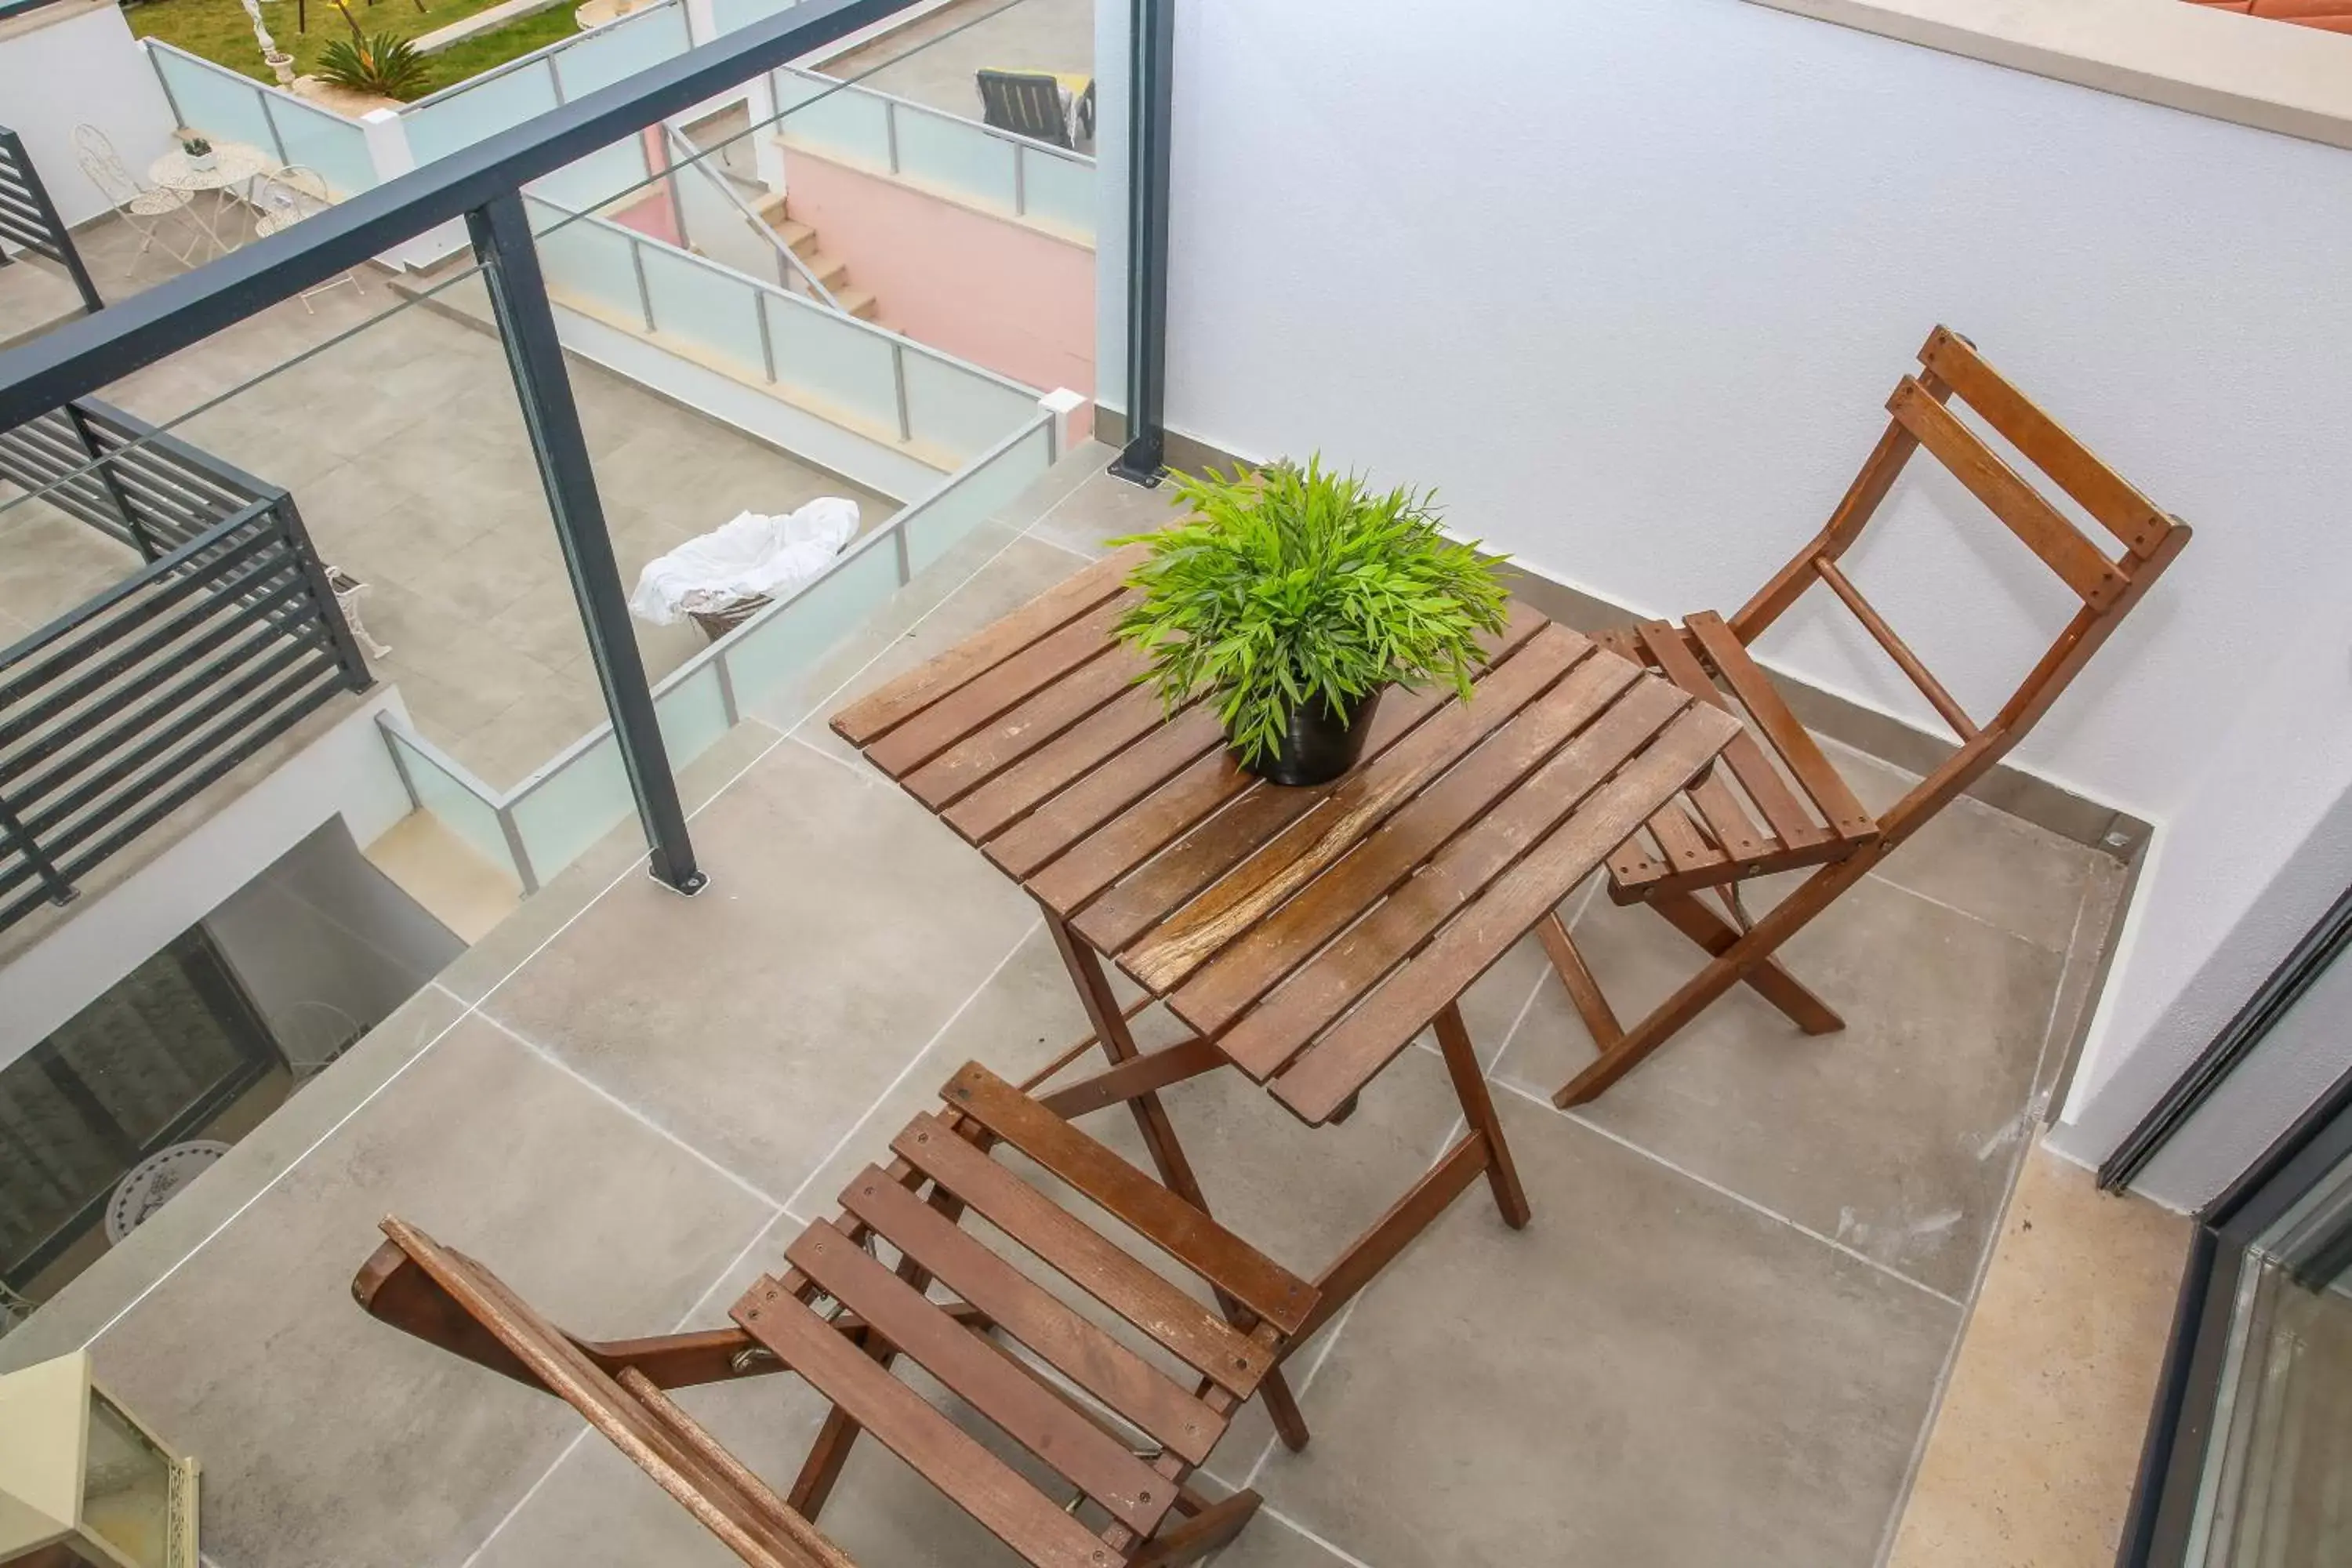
x=1774, y=802
x=839, y=1317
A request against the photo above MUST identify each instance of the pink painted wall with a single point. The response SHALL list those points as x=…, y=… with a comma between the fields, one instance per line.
x=996, y=292
x=652, y=213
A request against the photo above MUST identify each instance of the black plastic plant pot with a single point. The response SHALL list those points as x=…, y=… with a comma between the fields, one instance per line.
x=1319, y=746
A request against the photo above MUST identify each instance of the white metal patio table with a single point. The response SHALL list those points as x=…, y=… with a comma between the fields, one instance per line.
x=235, y=164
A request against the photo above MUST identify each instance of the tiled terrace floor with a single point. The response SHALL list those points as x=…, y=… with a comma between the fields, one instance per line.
x=932, y=61
x=404, y=448
x=1718, y=1343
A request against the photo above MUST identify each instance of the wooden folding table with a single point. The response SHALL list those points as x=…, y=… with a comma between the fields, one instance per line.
x=1306, y=935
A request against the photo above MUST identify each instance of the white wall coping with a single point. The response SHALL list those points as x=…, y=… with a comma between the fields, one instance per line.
x=2272, y=75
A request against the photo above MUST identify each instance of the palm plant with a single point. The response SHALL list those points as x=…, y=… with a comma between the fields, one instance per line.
x=1302, y=590
x=387, y=65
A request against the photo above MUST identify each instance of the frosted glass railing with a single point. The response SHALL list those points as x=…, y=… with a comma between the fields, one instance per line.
x=893, y=388
x=228, y=106
x=457, y=117
x=587, y=184
x=550, y=819
x=972, y=162
x=464, y=803
x=602, y=55
x=532, y=85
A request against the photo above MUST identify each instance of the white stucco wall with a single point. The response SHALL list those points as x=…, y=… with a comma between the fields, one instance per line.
x=1630, y=284
x=74, y=64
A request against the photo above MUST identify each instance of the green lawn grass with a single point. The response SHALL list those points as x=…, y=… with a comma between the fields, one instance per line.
x=220, y=31
x=478, y=54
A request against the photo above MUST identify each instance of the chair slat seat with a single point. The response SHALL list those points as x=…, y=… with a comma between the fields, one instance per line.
x=951, y=1459
x=1709, y=836
x=1052, y=1329
x=876, y=1313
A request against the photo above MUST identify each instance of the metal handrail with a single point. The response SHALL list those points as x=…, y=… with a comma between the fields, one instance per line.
x=677, y=141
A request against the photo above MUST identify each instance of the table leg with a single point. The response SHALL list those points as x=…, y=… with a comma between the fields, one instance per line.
x=1479, y=1106
x=1481, y=1148
x=1159, y=1137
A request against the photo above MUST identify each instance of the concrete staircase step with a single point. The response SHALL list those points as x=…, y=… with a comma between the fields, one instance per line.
x=857, y=302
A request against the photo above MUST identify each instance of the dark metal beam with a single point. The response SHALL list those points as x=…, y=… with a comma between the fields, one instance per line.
x=1152, y=55
x=502, y=242
x=83, y=355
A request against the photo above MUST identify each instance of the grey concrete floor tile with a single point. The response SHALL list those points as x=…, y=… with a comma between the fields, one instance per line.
x=1650, y=1374
x=1025, y=1015
x=601, y=1222
x=1896, y=1134
x=1103, y=509
x=843, y=926
x=2095, y=931
x=1271, y=1541
x=2002, y=869
x=37, y=297
x=618, y=855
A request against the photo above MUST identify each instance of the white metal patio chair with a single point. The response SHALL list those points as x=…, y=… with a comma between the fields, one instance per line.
x=285, y=198
x=145, y=208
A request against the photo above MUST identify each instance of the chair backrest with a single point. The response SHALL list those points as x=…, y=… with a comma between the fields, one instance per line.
x=102, y=165
x=473, y=1310
x=2108, y=585
x=1028, y=103
x=294, y=192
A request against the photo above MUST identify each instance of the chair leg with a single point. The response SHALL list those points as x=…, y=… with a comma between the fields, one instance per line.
x=1734, y=964
x=1771, y=982
x=1478, y=1108
x=1583, y=990
x=1202, y=1534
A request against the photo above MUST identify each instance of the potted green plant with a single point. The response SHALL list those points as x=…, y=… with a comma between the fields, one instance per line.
x=199, y=150
x=1292, y=597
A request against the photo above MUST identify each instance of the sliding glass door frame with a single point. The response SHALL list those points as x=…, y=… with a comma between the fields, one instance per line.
x=2160, y=1527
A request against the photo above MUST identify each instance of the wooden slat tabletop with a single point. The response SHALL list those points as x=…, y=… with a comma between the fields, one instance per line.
x=1310, y=932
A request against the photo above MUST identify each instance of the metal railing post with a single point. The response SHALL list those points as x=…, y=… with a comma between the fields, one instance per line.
x=898, y=386
x=356, y=675
x=1151, y=59
x=269, y=117
x=890, y=130
x=645, y=289
x=501, y=236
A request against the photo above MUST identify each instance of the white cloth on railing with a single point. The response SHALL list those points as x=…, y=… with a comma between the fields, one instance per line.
x=753, y=555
